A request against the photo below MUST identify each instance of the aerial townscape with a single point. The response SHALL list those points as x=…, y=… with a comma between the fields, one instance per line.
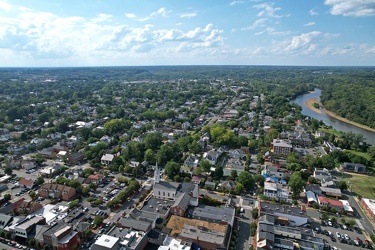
x=183, y=157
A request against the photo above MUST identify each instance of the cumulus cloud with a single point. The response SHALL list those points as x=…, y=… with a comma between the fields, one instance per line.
x=309, y=24
x=102, y=18
x=188, y=14
x=163, y=12
x=302, y=40
x=130, y=15
x=5, y=6
x=358, y=8
x=267, y=10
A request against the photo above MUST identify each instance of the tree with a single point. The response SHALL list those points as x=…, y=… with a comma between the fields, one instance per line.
x=8, y=171
x=7, y=197
x=351, y=223
x=218, y=174
x=296, y=184
x=172, y=169
x=153, y=140
x=255, y=213
x=32, y=195
x=165, y=154
x=39, y=181
x=252, y=144
x=342, y=185
x=98, y=220
x=73, y=204
x=150, y=156
x=343, y=221
x=205, y=165
x=259, y=179
x=246, y=179
x=86, y=190
x=233, y=174
x=239, y=189
x=324, y=216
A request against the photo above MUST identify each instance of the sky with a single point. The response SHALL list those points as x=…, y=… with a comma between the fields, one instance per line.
x=61, y=33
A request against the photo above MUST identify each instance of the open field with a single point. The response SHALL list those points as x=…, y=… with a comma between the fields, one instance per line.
x=362, y=185
x=363, y=154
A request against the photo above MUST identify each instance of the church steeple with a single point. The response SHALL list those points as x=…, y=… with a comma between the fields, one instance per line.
x=156, y=174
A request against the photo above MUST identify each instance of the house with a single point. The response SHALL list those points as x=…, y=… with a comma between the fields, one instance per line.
x=75, y=158
x=56, y=191
x=273, y=171
x=311, y=198
x=95, y=178
x=353, y=167
x=107, y=159
x=348, y=210
x=227, y=185
x=192, y=161
x=282, y=147
x=336, y=204
x=27, y=165
x=236, y=153
x=26, y=182
x=211, y=156
x=61, y=236
x=276, y=190
x=26, y=207
x=333, y=192
x=315, y=188
x=322, y=201
x=234, y=164
x=51, y=171
x=209, y=185
x=187, y=169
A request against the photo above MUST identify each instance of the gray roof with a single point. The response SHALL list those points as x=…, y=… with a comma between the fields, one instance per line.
x=280, y=209
x=5, y=220
x=137, y=214
x=182, y=201
x=39, y=231
x=135, y=224
x=212, y=214
x=187, y=187
x=165, y=185
x=81, y=226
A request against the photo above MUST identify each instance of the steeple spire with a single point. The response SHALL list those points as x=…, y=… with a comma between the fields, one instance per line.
x=156, y=174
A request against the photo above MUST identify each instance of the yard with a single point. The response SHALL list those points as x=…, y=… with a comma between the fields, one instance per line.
x=362, y=185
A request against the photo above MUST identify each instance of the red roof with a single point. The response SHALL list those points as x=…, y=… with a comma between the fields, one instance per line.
x=26, y=182
x=322, y=199
x=196, y=178
x=335, y=203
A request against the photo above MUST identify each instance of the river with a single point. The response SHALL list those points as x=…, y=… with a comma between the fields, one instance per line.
x=330, y=121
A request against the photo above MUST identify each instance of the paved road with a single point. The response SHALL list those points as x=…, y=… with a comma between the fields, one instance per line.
x=244, y=239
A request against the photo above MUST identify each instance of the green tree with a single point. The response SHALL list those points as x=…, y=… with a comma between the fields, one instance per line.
x=165, y=154
x=296, y=184
x=233, y=174
x=218, y=174
x=150, y=156
x=255, y=213
x=252, y=144
x=351, y=223
x=205, y=165
x=342, y=185
x=98, y=220
x=153, y=140
x=73, y=204
x=259, y=179
x=246, y=179
x=8, y=171
x=239, y=189
x=7, y=197
x=324, y=216
x=39, y=181
x=86, y=190
x=172, y=169
x=32, y=195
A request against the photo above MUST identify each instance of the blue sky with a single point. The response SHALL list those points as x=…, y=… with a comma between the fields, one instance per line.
x=200, y=32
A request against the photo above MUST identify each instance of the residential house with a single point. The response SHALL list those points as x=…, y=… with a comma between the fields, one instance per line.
x=212, y=156
x=107, y=159
x=275, y=190
x=95, y=178
x=27, y=165
x=281, y=147
x=196, y=179
x=234, y=164
x=236, y=153
x=26, y=182
x=353, y=167
x=192, y=161
x=315, y=188
x=273, y=171
x=227, y=185
x=333, y=192
x=209, y=185
x=56, y=191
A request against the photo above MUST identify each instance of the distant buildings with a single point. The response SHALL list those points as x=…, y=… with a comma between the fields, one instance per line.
x=281, y=147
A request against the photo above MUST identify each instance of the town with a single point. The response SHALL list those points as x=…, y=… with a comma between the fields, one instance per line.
x=119, y=158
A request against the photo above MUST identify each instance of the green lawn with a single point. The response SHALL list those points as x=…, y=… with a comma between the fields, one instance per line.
x=365, y=155
x=330, y=131
x=363, y=185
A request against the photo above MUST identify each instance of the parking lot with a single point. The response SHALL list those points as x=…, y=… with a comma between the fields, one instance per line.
x=334, y=235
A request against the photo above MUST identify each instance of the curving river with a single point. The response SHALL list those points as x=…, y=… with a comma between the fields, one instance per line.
x=330, y=121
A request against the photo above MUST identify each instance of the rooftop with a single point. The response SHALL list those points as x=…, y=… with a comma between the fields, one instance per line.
x=177, y=223
x=280, y=209
x=106, y=241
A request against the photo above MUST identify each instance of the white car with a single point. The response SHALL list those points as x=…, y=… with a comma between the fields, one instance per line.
x=346, y=237
x=338, y=235
x=330, y=223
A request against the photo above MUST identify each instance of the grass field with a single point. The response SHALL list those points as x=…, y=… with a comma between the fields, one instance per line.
x=363, y=185
x=365, y=155
x=330, y=131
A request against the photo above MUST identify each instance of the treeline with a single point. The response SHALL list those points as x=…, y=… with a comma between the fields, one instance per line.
x=351, y=95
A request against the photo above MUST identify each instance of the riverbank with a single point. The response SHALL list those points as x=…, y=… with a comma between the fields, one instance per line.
x=309, y=103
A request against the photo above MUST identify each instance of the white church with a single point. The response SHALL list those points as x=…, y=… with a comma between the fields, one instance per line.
x=175, y=191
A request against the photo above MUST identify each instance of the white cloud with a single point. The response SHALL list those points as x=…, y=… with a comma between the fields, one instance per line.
x=130, y=15
x=102, y=18
x=313, y=12
x=160, y=12
x=351, y=7
x=302, y=40
x=309, y=24
x=267, y=10
x=258, y=23
x=188, y=14
x=5, y=6
x=236, y=2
